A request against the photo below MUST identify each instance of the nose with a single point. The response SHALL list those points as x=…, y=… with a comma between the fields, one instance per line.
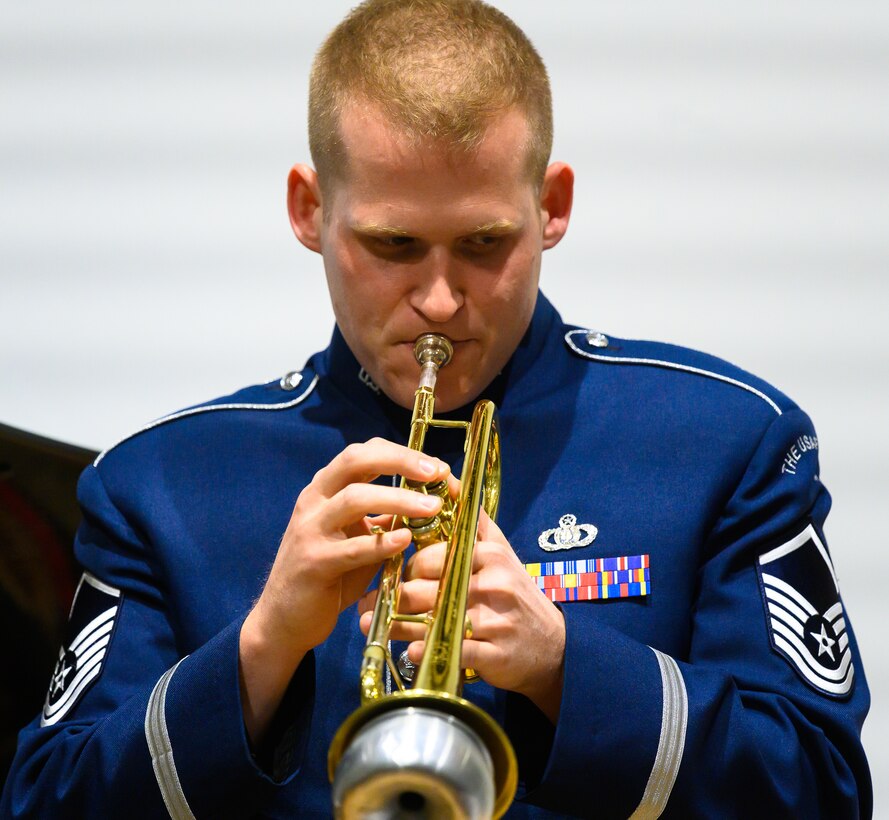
x=437, y=295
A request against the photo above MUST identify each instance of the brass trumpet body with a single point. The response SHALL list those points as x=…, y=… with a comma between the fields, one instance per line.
x=426, y=751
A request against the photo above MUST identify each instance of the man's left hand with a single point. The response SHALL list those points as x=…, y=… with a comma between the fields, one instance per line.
x=518, y=634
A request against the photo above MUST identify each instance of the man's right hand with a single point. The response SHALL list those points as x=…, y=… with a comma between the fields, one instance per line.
x=327, y=558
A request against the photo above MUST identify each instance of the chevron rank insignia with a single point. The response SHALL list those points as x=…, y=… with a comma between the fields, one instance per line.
x=89, y=631
x=805, y=614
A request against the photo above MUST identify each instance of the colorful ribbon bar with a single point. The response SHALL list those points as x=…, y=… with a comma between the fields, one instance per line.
x=592, y=579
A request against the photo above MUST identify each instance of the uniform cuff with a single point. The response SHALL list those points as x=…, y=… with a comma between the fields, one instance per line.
x=607, y=736
x=195, y=731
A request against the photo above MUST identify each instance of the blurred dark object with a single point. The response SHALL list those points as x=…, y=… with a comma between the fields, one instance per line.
x=38, y=517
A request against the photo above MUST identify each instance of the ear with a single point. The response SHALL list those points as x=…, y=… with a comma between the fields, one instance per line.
x=304, y=206
x=556, y=198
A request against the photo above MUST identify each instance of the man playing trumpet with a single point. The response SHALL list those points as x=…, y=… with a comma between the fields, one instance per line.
x=666, y=638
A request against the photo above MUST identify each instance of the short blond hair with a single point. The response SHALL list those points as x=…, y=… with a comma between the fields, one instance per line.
x=436, y=69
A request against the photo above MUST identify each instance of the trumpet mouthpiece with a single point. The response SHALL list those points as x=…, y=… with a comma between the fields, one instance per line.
x=432, y=348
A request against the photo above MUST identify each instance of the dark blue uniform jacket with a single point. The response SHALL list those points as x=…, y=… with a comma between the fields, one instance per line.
x=725, y=683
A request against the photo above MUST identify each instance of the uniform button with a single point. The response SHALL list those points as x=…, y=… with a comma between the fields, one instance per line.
x=597, y=339
x=291, y=380
x=406, y=666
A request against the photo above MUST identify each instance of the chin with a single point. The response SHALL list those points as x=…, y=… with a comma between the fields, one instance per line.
x=451, y=396
x=400, y=387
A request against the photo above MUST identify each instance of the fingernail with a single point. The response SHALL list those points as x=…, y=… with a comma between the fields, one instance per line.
x=427, y=466
x=430, y=502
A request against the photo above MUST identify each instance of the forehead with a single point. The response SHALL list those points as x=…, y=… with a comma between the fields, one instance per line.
x=381, y=159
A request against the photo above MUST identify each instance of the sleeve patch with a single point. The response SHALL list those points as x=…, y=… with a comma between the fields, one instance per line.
x=804, y=613
x=90, y=628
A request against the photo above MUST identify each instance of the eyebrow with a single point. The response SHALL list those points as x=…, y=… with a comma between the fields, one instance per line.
x=378, y=229
x=498, y=226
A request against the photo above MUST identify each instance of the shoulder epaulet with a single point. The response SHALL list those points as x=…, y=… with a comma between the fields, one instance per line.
x=296, y=386
x=596, y=346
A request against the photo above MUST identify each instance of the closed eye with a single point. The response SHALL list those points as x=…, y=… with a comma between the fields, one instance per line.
x=389, y=245
x=483, y=243
x=397, y=241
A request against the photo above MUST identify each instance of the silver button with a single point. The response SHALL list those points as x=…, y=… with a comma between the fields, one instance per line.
x=406, y=666
x=291, y=380
x=597, y=339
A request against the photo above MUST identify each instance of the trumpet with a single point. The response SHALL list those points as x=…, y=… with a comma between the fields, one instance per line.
x=425, y=751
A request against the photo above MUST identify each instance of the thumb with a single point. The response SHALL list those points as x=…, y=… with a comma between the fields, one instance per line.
x=488, y=529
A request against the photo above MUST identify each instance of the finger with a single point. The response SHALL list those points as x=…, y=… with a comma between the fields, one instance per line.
x=415, y=651
x=477, y=655
x=417, y=596
x=364, y=622
x=488, y=529
x=492, y=554
x=481, y=656
x=414, y=598
x=427, y=562
x=355, y=501
x=341, y=557
x=453, y=485
x=367, y=602
x=398, y=630
x=371, y=459
x=403, y=631
x=478, y=624
x=354, y=583
x=380, y=522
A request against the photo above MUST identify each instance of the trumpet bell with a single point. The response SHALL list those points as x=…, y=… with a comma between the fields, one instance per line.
x=415, y=763
x=428, y=755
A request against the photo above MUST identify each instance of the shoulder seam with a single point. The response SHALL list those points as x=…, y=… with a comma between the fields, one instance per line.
x=207, y=408
x=673, y=365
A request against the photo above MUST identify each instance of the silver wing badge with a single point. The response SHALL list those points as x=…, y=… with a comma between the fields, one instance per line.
x=567, y=535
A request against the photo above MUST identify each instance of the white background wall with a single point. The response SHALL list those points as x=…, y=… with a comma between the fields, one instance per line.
x=733, y=195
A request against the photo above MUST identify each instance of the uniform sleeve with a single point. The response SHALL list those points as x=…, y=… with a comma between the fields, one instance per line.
x=131, y=727
x=762, y=718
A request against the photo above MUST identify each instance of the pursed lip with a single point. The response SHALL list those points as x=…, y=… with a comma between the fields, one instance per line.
x=451, y=339
x=459, y=345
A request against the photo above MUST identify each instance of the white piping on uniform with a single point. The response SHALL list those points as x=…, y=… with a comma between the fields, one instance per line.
x=99, y=585
x=208, y=408
x=162, y=751
x=674, y=721
x=794, y=543
x=663, y=363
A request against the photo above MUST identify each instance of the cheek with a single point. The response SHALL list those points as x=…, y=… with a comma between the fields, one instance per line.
x=347, y=277
x=514, y=291
x=520, y=272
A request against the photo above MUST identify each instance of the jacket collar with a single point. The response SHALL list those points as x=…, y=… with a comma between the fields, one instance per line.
x=338, y=365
